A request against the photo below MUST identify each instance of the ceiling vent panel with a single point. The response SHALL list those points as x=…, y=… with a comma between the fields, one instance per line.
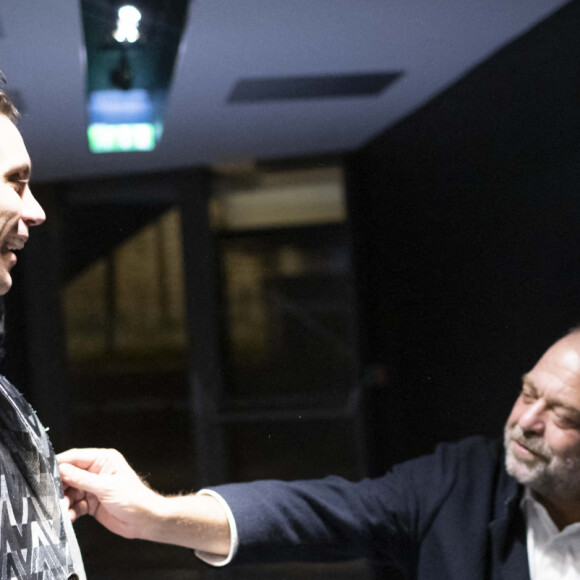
x=259, y=90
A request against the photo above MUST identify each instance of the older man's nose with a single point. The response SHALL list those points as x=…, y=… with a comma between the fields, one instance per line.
x=533, y=418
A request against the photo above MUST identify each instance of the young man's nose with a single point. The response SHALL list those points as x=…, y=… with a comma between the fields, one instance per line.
x=32, y=212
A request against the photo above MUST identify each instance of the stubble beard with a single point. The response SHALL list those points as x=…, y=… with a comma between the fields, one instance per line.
x=549, y=474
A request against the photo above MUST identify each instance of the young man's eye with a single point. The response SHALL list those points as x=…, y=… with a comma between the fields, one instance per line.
x=19, y=184
x=19, y=179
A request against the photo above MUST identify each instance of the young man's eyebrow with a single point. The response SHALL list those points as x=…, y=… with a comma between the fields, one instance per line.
x=23, y=171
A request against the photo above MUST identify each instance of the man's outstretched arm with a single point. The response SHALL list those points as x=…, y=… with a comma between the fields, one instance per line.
x=101, y=483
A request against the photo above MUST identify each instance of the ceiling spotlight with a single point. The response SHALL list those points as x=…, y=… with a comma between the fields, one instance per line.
x=128, y=21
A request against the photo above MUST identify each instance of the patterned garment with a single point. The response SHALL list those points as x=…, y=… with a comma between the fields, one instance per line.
x=36, y=538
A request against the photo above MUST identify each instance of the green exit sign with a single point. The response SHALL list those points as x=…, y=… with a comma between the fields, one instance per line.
x=121, y=138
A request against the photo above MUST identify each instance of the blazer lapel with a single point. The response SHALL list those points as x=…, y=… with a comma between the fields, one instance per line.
x=508, y=534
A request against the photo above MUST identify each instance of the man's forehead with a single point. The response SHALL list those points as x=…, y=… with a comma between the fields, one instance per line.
x=13, y=153
x=558, y=368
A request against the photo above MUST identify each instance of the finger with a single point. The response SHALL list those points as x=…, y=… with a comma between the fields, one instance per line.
x=81, y=479
x=82, y=458
x=73, y=495
x=78, y=510
x=96, y=460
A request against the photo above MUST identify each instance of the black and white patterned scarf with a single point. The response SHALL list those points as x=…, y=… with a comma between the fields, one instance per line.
x=36, y=537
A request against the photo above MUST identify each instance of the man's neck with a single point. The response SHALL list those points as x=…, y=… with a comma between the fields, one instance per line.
x=562, y=511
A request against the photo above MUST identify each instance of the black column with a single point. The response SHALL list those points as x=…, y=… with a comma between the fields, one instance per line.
x=205, y=376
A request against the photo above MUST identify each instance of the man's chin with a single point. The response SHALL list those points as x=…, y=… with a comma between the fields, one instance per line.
x=525, y=471
x=5, y=282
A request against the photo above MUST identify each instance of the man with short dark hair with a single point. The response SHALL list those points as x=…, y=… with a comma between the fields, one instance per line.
x=472, y=510
x=36, y=537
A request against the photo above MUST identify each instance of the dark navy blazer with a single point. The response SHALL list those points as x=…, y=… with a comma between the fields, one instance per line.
x=452, y=515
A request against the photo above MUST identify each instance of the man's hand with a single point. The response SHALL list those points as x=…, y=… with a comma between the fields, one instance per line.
x=101, y=483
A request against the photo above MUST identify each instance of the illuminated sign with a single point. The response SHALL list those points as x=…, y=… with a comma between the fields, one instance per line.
x=106, y=138
x=122, y=121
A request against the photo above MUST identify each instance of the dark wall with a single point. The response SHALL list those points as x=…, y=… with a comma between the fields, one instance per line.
x=34, y=335
x=466, y=221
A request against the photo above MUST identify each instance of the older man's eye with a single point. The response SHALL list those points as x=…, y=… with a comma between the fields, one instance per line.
x=567, y=422
x=527, y=396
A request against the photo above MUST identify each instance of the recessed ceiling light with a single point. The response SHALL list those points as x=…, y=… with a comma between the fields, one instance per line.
x=128, y=24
